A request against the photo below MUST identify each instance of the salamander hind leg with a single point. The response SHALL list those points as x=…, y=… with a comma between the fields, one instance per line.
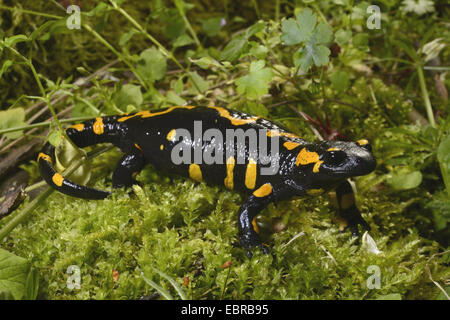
x=349, y=214
x=126, y=169
x=248, y=234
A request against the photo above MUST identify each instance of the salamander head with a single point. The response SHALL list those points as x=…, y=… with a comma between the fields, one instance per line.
x=333, y=160
x=347, y=159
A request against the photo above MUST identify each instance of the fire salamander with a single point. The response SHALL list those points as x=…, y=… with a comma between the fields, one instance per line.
x=195, y=142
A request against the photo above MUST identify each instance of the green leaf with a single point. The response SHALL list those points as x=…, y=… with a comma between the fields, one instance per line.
x=404, y=179
x=340, y=80
x=5, y=67
x=128, y=94
x=183, y=40
x=342, y=36
x=361, y=41
x=239, y=45
x=256, y=83
x=151, y=65
x=234, y=48
x=390, y=296
x=306, y=56
x=257, y=109
x=202, y=84
x=12, y=118
x=300, y=29
x=206, y=62
x=11, y=41
x=32, y=285
x=212, y=26
x=124, y=38
x=304, y=31
x=13, y=274
x=443, y=152
x=54, y=138
x=175, y=99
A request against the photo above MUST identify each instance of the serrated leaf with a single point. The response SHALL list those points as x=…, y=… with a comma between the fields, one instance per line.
x=323, y=33
x=304, y=31
x=256, y=83
x=300, y=29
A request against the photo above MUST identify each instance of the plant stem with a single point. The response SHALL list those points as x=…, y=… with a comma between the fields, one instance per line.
x=42, y=124
x=179, y=5
x=425, y=96
x=117, y=53
x=277, y=10
x=166, y=52
x=52, y=16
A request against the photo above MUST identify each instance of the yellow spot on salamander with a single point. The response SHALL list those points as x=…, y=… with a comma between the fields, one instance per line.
x=98, y=126
x=362, y=142
x=45, y=157
x=263, y=191
x=161, y=147
x=314, y=192
x=250, y=174
x=235, y=121
x=229, y=179
x=333, y=149
x=195, y=172
x=58, y=179
x=171, y=135
x=148, y=114
x=316, y=166
x=276, y=133
x=305, y=157
x=255, y=225
x=79, y=126
x=290, y=145
x=139, y=147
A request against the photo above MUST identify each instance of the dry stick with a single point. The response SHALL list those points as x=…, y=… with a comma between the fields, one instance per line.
x=427, y=268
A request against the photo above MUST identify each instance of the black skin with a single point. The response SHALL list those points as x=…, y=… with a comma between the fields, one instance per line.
x=304, y=168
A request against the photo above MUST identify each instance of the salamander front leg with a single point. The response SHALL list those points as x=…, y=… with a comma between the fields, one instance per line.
x=348, y=212
x=249, y=237
x=126, y=169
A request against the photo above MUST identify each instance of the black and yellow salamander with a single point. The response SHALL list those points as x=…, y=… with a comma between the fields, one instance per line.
x=222, y=147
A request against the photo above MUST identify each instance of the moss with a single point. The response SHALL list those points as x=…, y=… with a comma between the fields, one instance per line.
x=189, y=229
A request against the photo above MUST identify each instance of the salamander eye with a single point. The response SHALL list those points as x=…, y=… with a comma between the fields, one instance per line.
x=363, y=143
x=335, y=158
x=367, y=147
